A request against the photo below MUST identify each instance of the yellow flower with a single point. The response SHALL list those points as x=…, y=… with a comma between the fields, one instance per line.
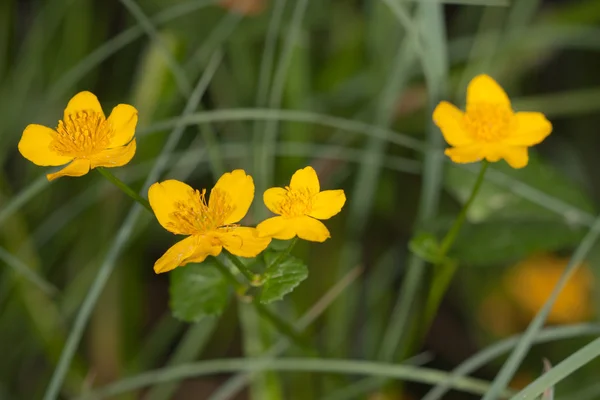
x=300, y=207
x=531, y=281
x=211, y=225
x=489, y=129
x=84, y=138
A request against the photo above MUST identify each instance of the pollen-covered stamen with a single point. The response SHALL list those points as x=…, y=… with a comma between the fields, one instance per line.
x=488, y=122
x=194, y=216
x=296, y=202
x=82, y=134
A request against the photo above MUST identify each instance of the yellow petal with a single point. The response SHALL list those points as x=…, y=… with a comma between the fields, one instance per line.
x=450, y=121
x=83, y=101
x=305, y=179
x=116, y=157
x=176, y=255
x=123, y=120
x=238, y=189
x=35, y=146
x=311, y=229
x=517, y=157
x=467, y=154
x=532, y=128
x=244, y=242
x=484, y=89
x=277, y=227
x=273, y=198
x=163, y=198
x=78, y=167
x=206, y=247
x=327, y=203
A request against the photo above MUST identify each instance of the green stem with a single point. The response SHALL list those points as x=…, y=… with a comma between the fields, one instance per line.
x=125, y=188
x=254, y=279
x=240, y=288
x=450, y=237
x=284, y=253
x=444, y=271
x=282, y=326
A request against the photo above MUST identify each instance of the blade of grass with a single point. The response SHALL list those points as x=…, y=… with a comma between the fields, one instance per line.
x=329, y=366
x=121, y=238
x=496, y=350
x=563, y=369
x=179, y=74
x=433, y=30
x=32, y=276
x=30, y=192
x=265, y=153
x=520, y=351
x=111, y=46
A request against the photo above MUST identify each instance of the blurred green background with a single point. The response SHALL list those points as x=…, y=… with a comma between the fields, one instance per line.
x=346, y=86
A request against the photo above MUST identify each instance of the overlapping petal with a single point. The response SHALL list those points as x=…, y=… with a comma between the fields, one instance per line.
x=311, y=229
x=531, y=128
x=79, y=167
x=35, y=146
x=305, y=179
x=467, y=154
x=239, y=190
x=206, y=246
x=450, y=121
x=123, y=120
x=83, y=101
x=244, y=242
x=116, y=157
x=516, y=156
x=327, y=203
x=163, y=198
x=177, y=255
x=484, y=89
x=278, y=228
x=273, y=199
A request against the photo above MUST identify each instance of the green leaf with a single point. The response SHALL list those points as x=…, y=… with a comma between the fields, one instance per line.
x=282, y=278
x=426, y=246
x=197, y=291
x=495, y=242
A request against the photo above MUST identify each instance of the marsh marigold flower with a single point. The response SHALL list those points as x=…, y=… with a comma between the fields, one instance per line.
x=489, y=129
x=84, y=138
x=300, y=206
x=210, y=225
x=530, y=282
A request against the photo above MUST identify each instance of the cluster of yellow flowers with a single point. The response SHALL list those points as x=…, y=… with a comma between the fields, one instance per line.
x=85, y=139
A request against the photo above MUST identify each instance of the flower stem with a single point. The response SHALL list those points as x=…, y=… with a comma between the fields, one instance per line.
x=254, y=279
x=125, y=188
x=284, y=253
x=240, y=288
x=450, y=237
x=282, y=326
x=445, y=271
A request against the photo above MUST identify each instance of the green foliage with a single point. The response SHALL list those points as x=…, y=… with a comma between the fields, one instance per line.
x=197, y=291
x=281, y=276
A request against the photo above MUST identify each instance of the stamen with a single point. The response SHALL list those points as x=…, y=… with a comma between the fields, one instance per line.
x=488, y=122
x=82, y=134
x=194, y=216
x=296, y=203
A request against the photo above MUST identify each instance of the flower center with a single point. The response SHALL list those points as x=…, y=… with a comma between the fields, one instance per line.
x=195, y=216
x=82, y=134
x=296, y=203
x=488, y=122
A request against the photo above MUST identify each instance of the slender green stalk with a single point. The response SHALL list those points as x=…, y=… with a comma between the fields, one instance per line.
x=458, y=222
x=253, y=279
x=239, y=287
x=284, y=253
x=125, y=188
x=444, y=272
x=281, y=325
